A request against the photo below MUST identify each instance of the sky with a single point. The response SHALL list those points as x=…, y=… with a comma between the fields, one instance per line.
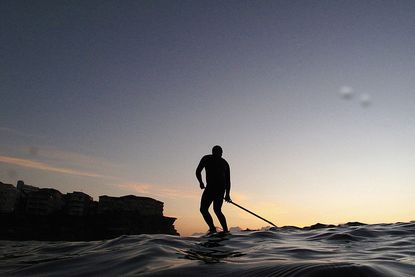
x=311, y=101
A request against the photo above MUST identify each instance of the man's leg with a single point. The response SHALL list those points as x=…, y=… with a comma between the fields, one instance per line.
x=204, y=209
x=217, y=207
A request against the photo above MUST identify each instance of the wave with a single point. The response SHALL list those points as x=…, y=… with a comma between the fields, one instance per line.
x=352, y=249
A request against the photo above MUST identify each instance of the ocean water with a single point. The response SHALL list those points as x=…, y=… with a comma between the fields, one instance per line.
x=346, y=250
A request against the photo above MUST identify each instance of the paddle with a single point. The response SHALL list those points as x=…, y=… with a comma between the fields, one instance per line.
x=246, y=210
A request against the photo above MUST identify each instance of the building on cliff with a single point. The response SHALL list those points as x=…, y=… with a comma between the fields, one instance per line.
x=8, y=198
x=44, y=202
x=78, y=203
x=31, y=213
x=25, y=189
x=23, y=192
x=145, y=206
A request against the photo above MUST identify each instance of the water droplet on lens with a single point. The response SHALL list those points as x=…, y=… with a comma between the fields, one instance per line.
x=346, y=92
x=365, y=100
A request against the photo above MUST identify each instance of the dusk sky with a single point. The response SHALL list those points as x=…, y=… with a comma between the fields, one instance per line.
x=312, y=102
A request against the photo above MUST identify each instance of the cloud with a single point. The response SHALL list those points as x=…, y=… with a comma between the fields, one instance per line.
x=159, y=190
x=58, y=155
x=137, y=188
x=12, y=174
x=18, y=133
x=33, y=151
x=47, y=167
x=52, y=157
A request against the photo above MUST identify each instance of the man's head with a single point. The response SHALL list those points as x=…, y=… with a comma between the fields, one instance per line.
x=217, y=151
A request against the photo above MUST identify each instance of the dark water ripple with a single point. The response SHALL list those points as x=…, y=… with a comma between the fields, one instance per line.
x=352, y=249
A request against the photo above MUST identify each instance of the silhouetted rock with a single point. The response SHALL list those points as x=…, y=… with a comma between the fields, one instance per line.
x=319, y=226
x=355, y=224
x=290, y=228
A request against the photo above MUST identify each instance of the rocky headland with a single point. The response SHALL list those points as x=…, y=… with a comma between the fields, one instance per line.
x=32, y=213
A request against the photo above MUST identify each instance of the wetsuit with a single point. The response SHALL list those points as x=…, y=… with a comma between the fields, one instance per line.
x=217, y=183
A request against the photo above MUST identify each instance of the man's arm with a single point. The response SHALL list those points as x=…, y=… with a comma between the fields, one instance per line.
x=199, y=173
x=228, y=183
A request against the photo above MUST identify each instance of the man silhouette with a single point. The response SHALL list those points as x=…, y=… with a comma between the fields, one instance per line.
x=218, y=184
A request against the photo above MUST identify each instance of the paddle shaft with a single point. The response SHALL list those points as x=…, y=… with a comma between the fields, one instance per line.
x=246, y=210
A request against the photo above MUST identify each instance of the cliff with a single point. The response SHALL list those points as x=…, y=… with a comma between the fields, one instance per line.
x=32, y=213
x=82, y=228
